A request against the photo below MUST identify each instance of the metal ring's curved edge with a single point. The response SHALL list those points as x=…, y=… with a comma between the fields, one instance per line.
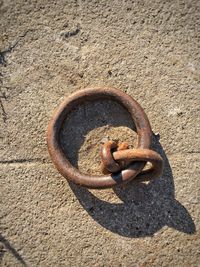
x=62, y=163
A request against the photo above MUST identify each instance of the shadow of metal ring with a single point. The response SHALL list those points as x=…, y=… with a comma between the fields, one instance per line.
x=60, y=160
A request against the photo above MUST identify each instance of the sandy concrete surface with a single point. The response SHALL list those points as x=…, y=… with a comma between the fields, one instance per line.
x=49, y=49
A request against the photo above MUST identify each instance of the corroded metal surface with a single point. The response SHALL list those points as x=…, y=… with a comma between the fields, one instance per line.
x=124, y=164
x=124, y=157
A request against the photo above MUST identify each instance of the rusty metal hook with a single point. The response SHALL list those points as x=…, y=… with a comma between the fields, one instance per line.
x=137, y=158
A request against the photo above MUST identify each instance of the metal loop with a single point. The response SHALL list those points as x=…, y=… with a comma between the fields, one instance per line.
x=59, y=158
x=123, y=157
x=145, y=155
x=108, y=162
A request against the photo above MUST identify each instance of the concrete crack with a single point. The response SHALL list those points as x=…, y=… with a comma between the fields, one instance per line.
x=3, y=96
x=71, y=33
x=4, y=114
x=10, y=48
x=17, y=161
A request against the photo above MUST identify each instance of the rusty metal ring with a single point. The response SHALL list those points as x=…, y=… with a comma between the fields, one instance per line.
x=109, y=162
x=69, y=104
x=113, y=161
x=145, y=155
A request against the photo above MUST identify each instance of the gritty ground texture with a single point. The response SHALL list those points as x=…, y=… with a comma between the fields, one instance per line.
x=50, y=49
